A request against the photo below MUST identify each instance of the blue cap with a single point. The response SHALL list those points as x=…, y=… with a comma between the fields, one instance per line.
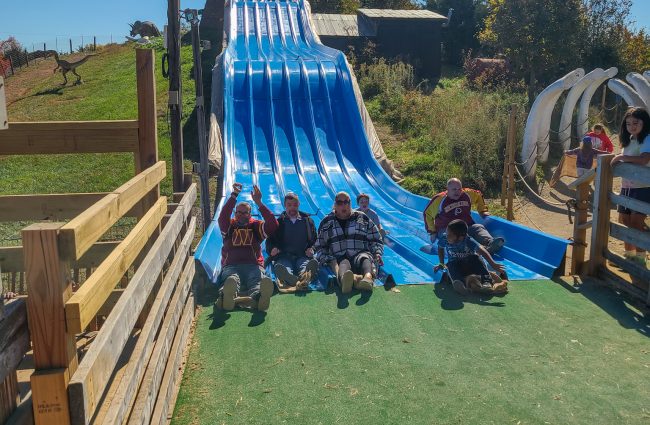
x=586, y=139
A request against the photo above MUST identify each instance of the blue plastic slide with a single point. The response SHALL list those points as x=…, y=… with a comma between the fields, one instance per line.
x=291, y=123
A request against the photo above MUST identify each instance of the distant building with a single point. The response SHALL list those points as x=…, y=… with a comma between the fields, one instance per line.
x=413, y=36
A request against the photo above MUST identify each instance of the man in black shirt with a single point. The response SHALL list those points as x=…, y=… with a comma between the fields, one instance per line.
x=291, y=246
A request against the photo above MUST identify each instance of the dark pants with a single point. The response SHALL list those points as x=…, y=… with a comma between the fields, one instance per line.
x=460, y=269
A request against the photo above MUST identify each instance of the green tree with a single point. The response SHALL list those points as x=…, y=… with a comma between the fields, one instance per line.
x=467, y=21
x=605, y=33
x=540, y=38
x=351, y=6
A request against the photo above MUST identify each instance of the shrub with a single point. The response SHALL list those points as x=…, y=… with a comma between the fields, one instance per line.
x=452, y=132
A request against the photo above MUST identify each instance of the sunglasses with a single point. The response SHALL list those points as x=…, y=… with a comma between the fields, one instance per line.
x=342, y=202
x=241, y=213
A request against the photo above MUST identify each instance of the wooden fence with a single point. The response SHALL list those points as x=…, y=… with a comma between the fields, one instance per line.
x=106, y=350
x=603, y=229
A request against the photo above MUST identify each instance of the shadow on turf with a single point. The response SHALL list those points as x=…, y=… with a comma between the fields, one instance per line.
x=450, y=300
x=616, y=304
x=343, y=300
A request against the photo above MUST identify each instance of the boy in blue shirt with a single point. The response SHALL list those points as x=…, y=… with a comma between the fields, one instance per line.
x=464, y=266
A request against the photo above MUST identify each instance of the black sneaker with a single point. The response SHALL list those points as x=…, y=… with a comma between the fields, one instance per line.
x=495, y=245
x=459, y=287
x=284, y=275
x=312, y=266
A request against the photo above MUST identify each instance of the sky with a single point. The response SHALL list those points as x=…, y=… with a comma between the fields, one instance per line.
x=55, y=22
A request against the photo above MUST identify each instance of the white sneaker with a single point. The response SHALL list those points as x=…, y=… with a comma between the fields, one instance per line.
x=266, y=290
x=228, y=293
x=347, y=280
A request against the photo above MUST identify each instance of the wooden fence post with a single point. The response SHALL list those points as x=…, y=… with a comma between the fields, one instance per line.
x=147, y=154
x=55, y=353
x=580, y=229
x=512, y=144
x=600, y=220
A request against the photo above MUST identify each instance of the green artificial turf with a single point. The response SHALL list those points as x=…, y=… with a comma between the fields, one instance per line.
x=541, y=354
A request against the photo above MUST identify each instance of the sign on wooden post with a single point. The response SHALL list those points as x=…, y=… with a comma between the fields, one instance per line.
x=4, y=121
x=55, y=355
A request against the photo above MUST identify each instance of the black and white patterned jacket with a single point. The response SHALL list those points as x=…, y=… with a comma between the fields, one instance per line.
x=361, y=235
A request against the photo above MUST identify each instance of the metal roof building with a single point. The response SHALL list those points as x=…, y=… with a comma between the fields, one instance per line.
x=412, y=36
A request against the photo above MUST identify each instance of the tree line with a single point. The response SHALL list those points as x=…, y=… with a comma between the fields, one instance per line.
x=541, y=39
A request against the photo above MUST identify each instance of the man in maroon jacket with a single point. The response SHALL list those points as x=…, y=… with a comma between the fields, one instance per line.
x=242, y=263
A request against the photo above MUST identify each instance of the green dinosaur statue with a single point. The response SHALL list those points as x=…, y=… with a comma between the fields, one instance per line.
x=65, y=66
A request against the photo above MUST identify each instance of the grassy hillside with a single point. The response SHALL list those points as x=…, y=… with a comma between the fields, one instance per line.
x=108, y=93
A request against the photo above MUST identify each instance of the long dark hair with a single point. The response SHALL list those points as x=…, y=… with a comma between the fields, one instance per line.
x=640, y=114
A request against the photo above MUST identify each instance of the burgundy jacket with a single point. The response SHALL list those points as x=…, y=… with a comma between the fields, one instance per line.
x=242, y=243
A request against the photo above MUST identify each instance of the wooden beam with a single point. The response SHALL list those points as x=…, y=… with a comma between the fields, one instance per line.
x=9, y=386
x=148, y=392
x=78, y=235
x=147, y=153
x=54, y=349
x=97, y=366
x=56, y=207
x=634, y=269
x=634, y=172
x=124, y=397
x=14, y=318
x=56, y=137
x=50, y=398
x=82, y=308
x=12, y=354
x=11, y=258
x=586, y=178
x=629, y=235
x=579, y=229
x=600, y=218
x=619, y=283
x=174, y=372
x=631, y=203
x=110, y=302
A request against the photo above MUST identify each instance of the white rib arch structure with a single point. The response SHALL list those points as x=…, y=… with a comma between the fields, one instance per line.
x=570, y=103
x=582, y=125
x=641, y=86
x=539, y=116
x=628, y=94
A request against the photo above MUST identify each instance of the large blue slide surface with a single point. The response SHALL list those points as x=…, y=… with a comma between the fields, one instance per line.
x=292, y=123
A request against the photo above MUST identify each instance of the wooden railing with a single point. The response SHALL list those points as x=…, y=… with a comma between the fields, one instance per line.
x=582, y=186
x=14, y=343
x=135, y=294
x=603, y=229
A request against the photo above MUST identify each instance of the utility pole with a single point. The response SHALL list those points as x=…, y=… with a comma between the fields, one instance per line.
x=191, y=15
x=175, y=111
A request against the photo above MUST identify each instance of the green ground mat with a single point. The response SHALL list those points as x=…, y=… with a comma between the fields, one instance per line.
x=541, y=354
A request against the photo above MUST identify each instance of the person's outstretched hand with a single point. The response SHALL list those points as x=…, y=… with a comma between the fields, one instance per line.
x=274, y=252
x=256, y=194
x=236, y=189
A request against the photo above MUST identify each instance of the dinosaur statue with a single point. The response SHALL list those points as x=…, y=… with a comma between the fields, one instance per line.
x=65, y=66
x=145, y=29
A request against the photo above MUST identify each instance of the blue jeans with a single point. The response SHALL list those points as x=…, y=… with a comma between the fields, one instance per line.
x=295, y=265
x=248, y=278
